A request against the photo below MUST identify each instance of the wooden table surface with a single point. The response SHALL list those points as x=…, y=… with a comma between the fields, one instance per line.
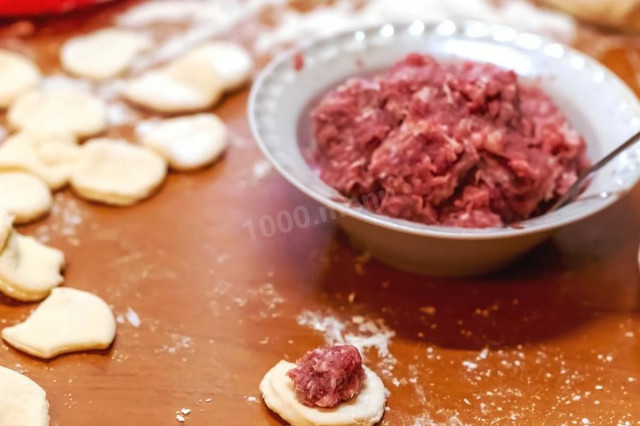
x=552, y=340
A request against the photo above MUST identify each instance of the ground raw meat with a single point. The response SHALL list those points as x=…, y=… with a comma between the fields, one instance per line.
x=326, y=377
x=460, y=144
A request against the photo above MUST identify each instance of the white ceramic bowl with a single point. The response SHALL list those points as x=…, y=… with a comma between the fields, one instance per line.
x=598, y=104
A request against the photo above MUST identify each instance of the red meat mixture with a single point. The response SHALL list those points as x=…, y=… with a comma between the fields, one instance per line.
x=326, y=377
x=439, y=143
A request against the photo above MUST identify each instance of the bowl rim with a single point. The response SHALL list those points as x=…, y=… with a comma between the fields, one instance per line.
x=344, y=209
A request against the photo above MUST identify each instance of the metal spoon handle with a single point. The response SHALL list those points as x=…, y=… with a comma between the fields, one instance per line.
x=576, y=188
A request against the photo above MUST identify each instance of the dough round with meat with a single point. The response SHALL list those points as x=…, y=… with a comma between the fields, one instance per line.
x=115, y=172
x=229, y=61
x=188, y=143
x=29, y=270
x=56, y=111
x=50, y=157
x=18, y=75
x=182, y=86
x=25, y=196
x=103, y=54
x=69, y=320
x=366, y=409
x=22, y=401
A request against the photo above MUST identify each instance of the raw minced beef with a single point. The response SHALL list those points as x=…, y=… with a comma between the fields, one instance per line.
x=325, y=377
x=443, y=143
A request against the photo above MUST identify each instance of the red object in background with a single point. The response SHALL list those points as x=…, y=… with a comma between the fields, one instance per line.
x=42, y=7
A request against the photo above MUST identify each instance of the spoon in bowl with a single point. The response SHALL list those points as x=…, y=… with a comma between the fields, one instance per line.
x=575, y=189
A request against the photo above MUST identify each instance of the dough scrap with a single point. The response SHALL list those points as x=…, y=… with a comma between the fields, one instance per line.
x=188, y=143
x=366, y=409
x=18, y=75
x=22, y=401
x=6, y=225
x=229, y=61
x=103, y=54
x=29, y=270
x=50, y=157
x=56, y=111
x=182, y=86
x=115, y=172
x=615, y=14
x=25, y=196
x=69, y=320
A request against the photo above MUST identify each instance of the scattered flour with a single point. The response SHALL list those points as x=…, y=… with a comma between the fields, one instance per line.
x=343, y=15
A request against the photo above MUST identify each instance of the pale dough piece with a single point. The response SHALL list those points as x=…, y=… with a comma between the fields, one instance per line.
x=18, y=74
x=102, y=54
x=612, y=13
x=188, y=143
x=69, y=320
x=29, y=270
x=230, y=61
x=366, y=409
x=22, y=401
x=182, y=86
x=25, y=196
x=6, y=225
x=115, y=172
x=56, y=111
x=50, y=157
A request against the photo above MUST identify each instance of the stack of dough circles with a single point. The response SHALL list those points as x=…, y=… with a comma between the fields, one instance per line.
x=185, y=85
x=29, y=270
x=366, y=409
x=50, y=157
x=25, y=196
x=188, y=143
x=103, y=54
x=22, y=401
x=18, y=74
x=229, y=61
x=69, y=320
x=115, y=172
x=60, y=110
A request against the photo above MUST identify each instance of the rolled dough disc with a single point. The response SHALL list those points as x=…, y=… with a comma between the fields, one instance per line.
x=22, y=401
x=6, y=225
x=29, y=270
x=182, y=86
x=103, y=54
x=618, y=14
x=366, y=409
x=57, y=111
x=50, y=157
x=188, y=143
x=24, y=195
x=115, y=172
x=69, y=320
x=18, y=75
x=230, y=61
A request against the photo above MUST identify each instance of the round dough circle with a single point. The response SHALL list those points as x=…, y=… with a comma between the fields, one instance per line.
x=230, y=61
x=115, y=172
x=22, y=401
x=366, y=409
x=24, y=195
x=18, y=74
x=182, y=86
x=102, y=54
x=56, y=111
x=188, y=143
x=29, y=270
x=50, y=157
x=69, y=320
